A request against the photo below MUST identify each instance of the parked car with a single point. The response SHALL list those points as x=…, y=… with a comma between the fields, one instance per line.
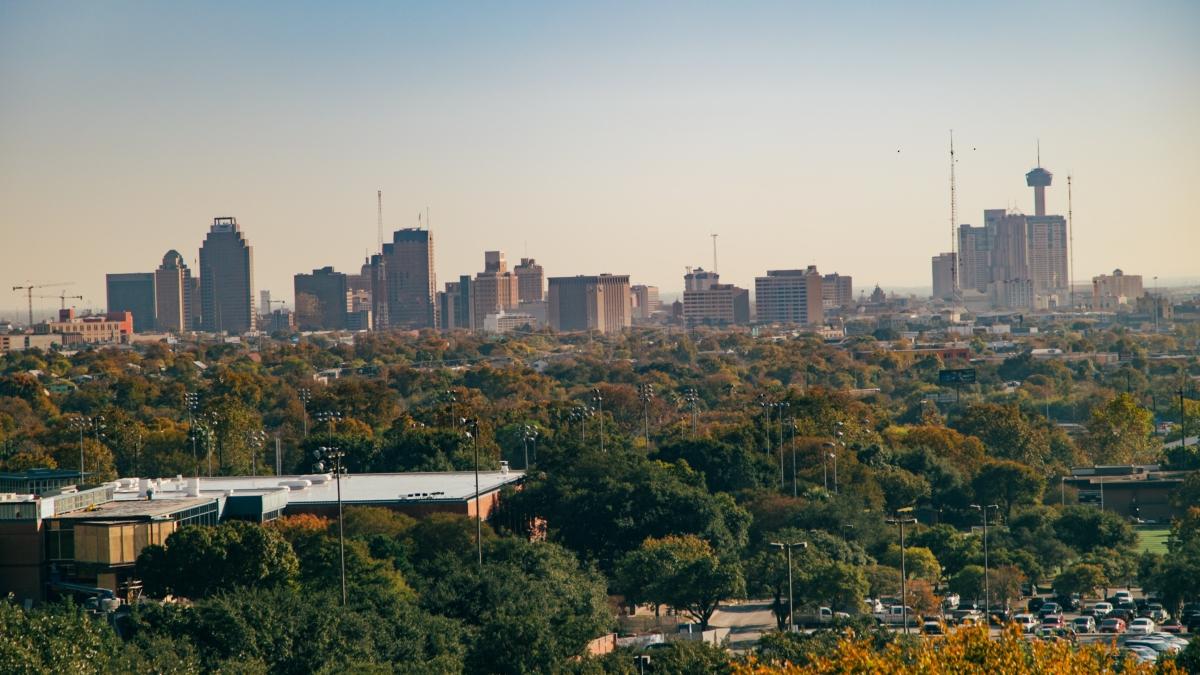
x=1049, y=608
x=1069, y=603
x=1035, y=604
x=1120, y=596
x=1084, y=624
x=1172, y=626
x=1112, y=625
x=1122, y=614
x=1142, y=654
x=1101, y=609
x=1141, y=626
x=1155, y=611
x=932, y=628
x=1027, y=622
x=950, y=602
x=966, y=617
x=1160, y=646
x=998, y=616
x=896, y=615
x=1053, y=621
x=1129, y=605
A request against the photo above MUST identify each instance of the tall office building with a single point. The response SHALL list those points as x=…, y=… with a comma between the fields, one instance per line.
x=173, y=294
x=531, y=281
x=790, y=296
x=321, y=300
x=698, y=279
x=1048, y=253
x=455, y=306
x=943, y=276
x=227, y=279
x=494, y=290
x=837, y=290
x=133, y=292
x=1010, y=248
x=644, y=301
x=376, y=273
x=598, y=303
x=410, y=280
x=974, y=259
x=264, y=302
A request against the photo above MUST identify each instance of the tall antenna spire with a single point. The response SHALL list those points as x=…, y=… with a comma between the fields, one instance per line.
x=953, y=220
x=1071, y=242
x=1039, y=152
x=379, y=217
x=714, y=237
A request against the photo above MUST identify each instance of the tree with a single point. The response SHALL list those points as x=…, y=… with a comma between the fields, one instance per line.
x=1081, y=578
x=198, y=561
x=1007, y=483
x=1005, y=582
x=1006, y=432
x=968, y=582
x=919, y=562
x=690, y=576
x=1087, y=529
x=1119, y=432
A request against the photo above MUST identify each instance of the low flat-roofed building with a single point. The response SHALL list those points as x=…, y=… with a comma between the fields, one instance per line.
x=37, y=481
x=1141, y=491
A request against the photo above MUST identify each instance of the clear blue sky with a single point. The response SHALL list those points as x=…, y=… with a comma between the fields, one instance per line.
x=602, y=137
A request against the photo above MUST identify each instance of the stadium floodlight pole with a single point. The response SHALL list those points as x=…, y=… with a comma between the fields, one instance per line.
x=902, y=520
x=783, y=405
x=787, y=547
x=192, y=400
x=792, y=426
x=600, y=413
x=80, y=423
x=646, y=393
x=471, y=429
x=528, y=433
x=324, y=455
x=305, y=395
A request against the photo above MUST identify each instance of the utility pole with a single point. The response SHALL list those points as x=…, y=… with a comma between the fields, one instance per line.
x=902, y=521
x=987, y=593
x=1071, y=243
x=953, y=220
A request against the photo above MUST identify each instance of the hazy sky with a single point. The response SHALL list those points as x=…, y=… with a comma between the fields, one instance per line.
x=596, y=137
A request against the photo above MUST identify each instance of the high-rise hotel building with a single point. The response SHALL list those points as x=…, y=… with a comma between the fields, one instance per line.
x=227, y=279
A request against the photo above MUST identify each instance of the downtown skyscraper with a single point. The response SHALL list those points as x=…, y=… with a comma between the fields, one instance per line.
x=227, y=279
x=409, y=279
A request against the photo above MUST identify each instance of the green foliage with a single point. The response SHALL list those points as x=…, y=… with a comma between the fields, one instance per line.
x=198, y=561
x=1119, y=432
x=1087, y=529
x=1081, y=578
x=1008, y=484
x=683, y=572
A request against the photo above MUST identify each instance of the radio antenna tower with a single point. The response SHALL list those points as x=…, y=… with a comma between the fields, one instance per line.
x=714, y=253
x=1071, y=242
x=953, y=219
x=379, y=218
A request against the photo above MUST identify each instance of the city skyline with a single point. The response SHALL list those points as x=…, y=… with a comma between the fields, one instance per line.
x=785, y=130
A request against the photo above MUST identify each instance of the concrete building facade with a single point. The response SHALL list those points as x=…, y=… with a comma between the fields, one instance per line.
x=174, y=288
x=943, y=276
x=1116, y=292
x=531, y=281
x=790, y=297
x=321, y=300
x=645, y=301
x=580, y=303
x=837, y=291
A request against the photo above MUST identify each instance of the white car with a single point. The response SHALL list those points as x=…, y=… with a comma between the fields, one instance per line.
x=1027, y=622
x=1101, y=609
x=1140, y=626
x=1123, y=596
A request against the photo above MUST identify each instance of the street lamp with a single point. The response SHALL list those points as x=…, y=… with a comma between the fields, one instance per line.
x=792, y=427
x=255, y=440
x=471, y=429
x=787, y=547
x=192, y=400
x=987, y=592
x=782, y=405
x=692, y=399
x=325, y=455
x=766, y=406
x=82, y=424
x=903, y=520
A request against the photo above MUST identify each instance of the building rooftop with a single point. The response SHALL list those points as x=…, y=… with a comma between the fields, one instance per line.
x=139, y=509
x=361, y=488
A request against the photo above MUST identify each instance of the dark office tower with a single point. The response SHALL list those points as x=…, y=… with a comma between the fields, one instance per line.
x=133, y=293
x=411, y=283
x=321, y=300
x=227, y=279
x=173, y=294
x=531, y=281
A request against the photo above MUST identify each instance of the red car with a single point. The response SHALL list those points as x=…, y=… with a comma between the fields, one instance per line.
x=1113, y=625
x=1053, y=621
x=1171, y=626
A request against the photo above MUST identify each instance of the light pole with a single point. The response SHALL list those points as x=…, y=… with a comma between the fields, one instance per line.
x=825, y=455
x=255, y=440
x=646, y=394
x=83, y=424
x=783, y=405
x=691, y=397
x=324, y=455
x=766, y=406
x=192, y=400
x=528, y=433
x=471, y=428
x=599, y=412
x=902, y=521
x=987, y=586
x=792, y=426
x=787, y=547
x=305, y=395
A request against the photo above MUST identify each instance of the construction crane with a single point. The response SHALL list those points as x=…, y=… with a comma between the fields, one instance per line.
x=63, y=298
x=29, y=294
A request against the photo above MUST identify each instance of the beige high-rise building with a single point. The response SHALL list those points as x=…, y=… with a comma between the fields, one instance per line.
x=790, y=296
x=943, y=276
x=531, y=281
x=580, y=303
x=494, y=290
x=837, y=290
x=173, y=294
x=1117, y=291
x=644, y=301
